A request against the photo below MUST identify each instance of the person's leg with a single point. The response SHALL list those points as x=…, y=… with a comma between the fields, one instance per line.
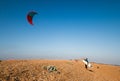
x=85, y=66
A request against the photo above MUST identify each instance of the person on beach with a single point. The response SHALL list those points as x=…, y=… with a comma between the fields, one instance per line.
x=87, y=63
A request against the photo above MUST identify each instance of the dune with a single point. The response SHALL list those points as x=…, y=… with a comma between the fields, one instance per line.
x=56, y=70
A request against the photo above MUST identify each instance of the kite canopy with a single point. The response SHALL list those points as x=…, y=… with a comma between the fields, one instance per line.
x=30, y=16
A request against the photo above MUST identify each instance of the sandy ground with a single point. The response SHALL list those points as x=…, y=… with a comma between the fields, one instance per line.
x=66, y=70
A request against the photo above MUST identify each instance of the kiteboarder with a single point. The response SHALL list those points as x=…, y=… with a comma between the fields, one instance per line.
x=86, y=62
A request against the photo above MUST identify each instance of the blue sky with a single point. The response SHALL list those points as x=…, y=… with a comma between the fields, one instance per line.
x=63, y=29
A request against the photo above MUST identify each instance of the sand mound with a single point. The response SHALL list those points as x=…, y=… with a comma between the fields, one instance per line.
x=56, y=70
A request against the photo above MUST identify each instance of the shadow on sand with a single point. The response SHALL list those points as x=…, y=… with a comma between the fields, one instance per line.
x=91, y=70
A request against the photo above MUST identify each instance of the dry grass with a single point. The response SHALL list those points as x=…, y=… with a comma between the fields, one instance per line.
x=67, y=70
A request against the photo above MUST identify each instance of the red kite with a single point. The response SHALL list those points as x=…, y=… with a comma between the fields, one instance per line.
x=30, y=16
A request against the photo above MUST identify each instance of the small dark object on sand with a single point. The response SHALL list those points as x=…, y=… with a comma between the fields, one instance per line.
x=97, y=67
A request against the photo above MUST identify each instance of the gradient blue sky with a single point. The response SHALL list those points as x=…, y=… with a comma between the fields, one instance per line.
x=63, y=29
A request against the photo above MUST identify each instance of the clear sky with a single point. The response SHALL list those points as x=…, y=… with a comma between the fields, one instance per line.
x=63, y=29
